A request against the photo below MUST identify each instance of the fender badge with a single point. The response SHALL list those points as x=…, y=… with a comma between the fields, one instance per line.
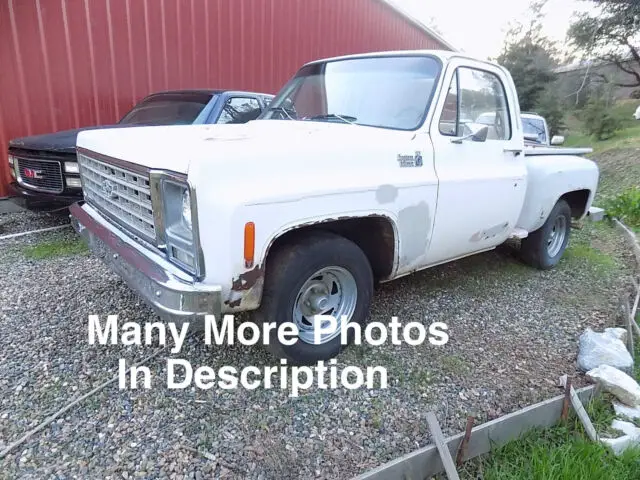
x=410, y=160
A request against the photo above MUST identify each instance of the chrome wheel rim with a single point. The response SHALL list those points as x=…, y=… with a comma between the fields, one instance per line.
x=557, y=236
x=329, y=291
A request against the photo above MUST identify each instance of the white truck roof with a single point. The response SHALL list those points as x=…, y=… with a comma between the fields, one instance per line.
x=443, y=55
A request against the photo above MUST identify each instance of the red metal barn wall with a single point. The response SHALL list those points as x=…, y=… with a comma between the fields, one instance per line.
x=71, y=63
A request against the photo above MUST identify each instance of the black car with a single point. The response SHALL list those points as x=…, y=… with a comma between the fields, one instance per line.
x=44, y=167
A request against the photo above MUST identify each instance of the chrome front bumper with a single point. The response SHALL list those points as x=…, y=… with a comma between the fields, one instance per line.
x=172, y=293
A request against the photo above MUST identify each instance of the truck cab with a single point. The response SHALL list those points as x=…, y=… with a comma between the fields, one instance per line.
x=295, y=216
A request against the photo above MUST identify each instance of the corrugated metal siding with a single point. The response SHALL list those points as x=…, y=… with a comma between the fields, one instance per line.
x=71, y=63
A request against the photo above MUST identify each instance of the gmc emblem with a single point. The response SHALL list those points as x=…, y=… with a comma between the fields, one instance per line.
x=31, y=173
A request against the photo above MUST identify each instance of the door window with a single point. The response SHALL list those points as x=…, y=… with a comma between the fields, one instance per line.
x=239, y=110
x=476, y=98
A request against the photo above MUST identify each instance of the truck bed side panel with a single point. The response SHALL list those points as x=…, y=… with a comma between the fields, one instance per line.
x=549, y=178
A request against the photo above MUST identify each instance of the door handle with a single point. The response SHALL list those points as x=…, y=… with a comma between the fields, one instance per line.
x=515, y=151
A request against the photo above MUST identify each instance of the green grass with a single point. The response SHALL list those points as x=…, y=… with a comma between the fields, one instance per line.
x=624, y=206
x=54, y=248
x=585, y=253
x=618, y=159
x=558, y=453
x=454, y=365
x=628, y=137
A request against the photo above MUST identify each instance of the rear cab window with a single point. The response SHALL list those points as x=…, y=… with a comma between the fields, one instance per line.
x=180, y=108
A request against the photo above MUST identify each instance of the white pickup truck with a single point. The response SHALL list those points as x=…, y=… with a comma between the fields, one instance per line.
x=363, y=170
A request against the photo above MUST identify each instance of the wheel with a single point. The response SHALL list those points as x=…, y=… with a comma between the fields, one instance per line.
x=319, y=274
x=544, y=247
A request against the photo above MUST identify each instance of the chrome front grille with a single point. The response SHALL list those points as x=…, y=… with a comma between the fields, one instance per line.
x=121, y=193
x=41, y=175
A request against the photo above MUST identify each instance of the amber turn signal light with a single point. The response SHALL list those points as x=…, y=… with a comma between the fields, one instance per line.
x=249, y=243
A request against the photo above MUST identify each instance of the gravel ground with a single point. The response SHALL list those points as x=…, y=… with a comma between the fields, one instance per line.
x=513, y=332
x=25, y=221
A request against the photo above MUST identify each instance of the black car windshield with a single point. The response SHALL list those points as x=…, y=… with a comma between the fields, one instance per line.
x=534, y=126
x=168, y=109
x=388, y=92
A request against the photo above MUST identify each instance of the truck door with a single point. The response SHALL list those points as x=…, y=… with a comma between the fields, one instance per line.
x=481, y=183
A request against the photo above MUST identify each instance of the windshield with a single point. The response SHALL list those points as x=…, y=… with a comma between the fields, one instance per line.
x=534, y=126
x=168, y=109
x=388, y=92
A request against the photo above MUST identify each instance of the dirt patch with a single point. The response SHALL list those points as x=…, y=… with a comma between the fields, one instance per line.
x=619, y=169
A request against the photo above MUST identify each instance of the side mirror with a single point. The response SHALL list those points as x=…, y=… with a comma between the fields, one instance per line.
x=557, y=140
x=479, y=135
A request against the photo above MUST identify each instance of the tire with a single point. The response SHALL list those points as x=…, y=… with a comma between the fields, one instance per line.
x=544, y=247
x=314, y=263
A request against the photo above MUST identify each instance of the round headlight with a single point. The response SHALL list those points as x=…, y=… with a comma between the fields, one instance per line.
x=186, y=208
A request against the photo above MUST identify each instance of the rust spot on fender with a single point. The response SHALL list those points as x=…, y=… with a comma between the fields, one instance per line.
x=248, y=286
x=247, y=279
x=234, y=303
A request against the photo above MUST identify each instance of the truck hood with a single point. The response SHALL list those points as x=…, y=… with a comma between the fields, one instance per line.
x=58, y=142
x=175, y=148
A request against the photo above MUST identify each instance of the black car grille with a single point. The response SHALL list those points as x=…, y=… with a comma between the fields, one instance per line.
x=41, y=175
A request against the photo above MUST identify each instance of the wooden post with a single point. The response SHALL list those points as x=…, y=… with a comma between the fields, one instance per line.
x=462, y=451
x=426, y=461
x=567, y=399
x=442, y=447
x=580, y=411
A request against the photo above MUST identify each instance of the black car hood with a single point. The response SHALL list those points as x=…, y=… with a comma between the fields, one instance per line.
x=59, y=142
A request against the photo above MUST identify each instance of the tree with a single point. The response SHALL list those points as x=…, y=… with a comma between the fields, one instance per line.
x=550, y=107
x=531, y=58
x=612, y=35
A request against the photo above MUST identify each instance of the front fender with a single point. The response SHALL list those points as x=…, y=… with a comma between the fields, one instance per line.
x=246, y=286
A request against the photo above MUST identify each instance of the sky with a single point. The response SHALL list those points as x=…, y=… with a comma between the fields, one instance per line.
x=478, y=27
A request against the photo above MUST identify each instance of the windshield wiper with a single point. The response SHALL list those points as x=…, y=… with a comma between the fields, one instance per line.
x=281, y=109
x=345, y=118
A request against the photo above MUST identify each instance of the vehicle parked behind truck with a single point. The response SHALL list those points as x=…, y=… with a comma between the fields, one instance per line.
x=45, y=169
x=536, y=130
x=301, y=212
x=534, y=126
